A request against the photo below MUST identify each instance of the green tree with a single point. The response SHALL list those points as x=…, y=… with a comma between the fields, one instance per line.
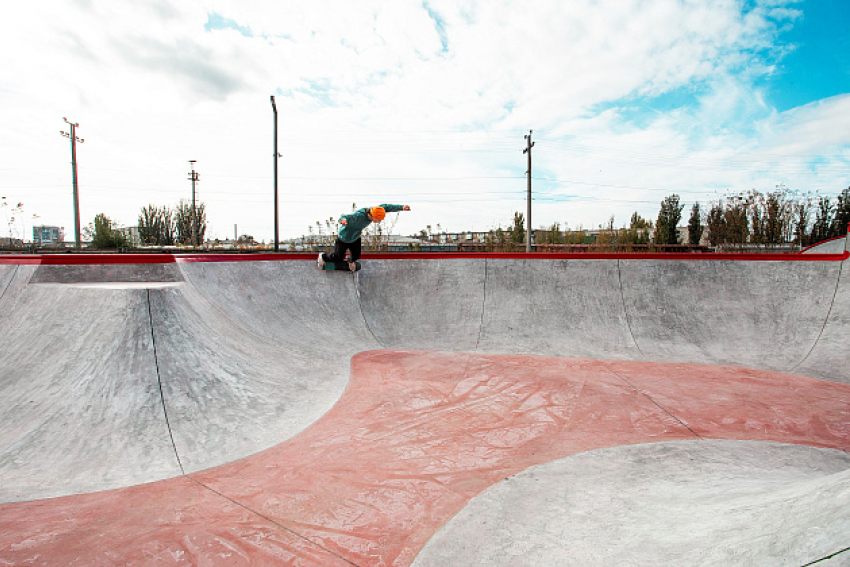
x=148, y=230
x=636, y=234
x=728, y=223
x=695, y=226
x=553, y=235
x=183, y=218
x=517, y=231
x=639, y=222
x=668, y=219
x=801, y=211
x=578, y=236
x=778, y=218
x=608, y=238
x=104, y=234
x=156, y=226
x=822, y=227
x=737, y=223
x=771, y=217
x=842, y=214
x=716, y=224
x=496, y=240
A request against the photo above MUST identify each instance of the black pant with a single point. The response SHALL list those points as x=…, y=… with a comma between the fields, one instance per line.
x=338, y=255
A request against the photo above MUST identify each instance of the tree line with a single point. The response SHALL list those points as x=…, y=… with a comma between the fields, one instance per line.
x=748, y=219
x=158, y=226
x=162, y=226
x=777, y=218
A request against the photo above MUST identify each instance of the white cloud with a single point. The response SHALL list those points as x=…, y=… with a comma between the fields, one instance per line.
x=814, y=129
x=417, y=102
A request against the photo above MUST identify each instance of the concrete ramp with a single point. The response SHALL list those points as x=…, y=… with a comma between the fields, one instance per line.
x=285, y=415
x=763, y=314
x=251, y=353
x=79, y=396
x=650, y=510
x=556, y=307
x=424, y=304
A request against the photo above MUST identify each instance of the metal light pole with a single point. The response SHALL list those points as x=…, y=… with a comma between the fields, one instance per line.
x=276, y=156
x=529, y=145
x=73, y=136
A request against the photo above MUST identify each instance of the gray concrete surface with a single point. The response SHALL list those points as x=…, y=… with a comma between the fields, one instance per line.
x=681, y=503
x=251, y=353
x=423, y=304
x=834, y=246
x=763, y=315
x=117, y=376
x=79, y=396
x=829, y=358
x=556, y=308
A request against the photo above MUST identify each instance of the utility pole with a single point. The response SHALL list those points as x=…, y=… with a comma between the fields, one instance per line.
x=73, y=136
x=276, y=156
x=529, y=145
x=194, y=176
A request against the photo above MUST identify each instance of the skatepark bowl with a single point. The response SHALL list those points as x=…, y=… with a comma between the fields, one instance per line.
x=429, y=410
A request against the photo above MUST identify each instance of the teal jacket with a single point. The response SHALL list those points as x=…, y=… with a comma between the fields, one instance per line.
x=358, y=220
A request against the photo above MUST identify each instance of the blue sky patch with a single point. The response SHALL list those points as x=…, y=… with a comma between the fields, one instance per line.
x=216, y=21
x=439, y=25
x=818, y=67
x=642, y=111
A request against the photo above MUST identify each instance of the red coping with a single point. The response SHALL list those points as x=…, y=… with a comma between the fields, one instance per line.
x=95, y=259
x=414, y=437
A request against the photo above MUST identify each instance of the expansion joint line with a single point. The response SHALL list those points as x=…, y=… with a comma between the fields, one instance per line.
x=356, y=285
x=651, y=399
x=827, y=558
x=483, y=303
x=626, y=311
x=268, y=519
x=825, y=320
x=11, y=279
x=6, y=288
x=159, y=381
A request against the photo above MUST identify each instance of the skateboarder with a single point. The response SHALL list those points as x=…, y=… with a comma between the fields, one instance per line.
x=350, y=227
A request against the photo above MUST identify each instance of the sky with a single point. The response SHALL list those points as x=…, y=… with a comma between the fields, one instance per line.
x=421, y=103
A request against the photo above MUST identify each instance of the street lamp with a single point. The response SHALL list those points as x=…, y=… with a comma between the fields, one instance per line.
x=276, y=156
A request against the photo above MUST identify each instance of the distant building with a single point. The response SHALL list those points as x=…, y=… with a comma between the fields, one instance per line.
x=46, y=235
x=11, y=242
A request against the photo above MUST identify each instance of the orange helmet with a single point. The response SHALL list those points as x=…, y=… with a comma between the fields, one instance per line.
x=378, y=212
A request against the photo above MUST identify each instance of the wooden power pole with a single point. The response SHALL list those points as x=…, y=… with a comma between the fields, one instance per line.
x=74, y=139
x=194, y=176
x=527, y=150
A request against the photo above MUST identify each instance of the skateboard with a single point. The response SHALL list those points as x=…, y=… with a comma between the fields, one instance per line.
x=342, y=266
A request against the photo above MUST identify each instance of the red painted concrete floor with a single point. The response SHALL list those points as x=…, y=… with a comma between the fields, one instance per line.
x=414, y=437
